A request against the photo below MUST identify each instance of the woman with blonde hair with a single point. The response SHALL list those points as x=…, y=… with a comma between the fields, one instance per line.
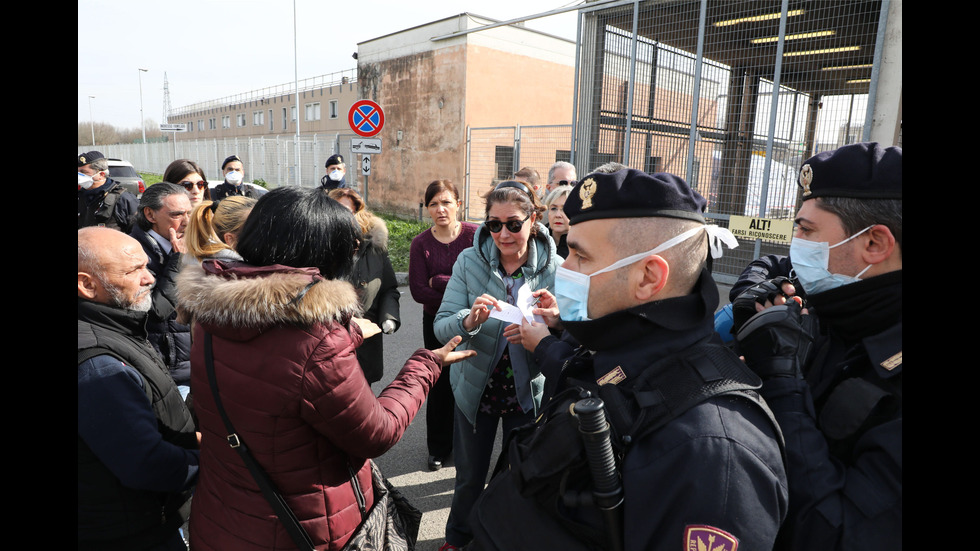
x=374, y=279
x=212, y=231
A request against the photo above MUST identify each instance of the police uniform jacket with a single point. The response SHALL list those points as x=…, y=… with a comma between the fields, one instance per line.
x=714, y=471
x=224, y=189
x=843, y=423
x=110, y=205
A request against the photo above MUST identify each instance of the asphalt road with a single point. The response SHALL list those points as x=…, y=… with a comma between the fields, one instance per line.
x=405, y=464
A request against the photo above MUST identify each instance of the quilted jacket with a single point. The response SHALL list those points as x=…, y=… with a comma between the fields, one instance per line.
x=477, y=272
x=290, y=383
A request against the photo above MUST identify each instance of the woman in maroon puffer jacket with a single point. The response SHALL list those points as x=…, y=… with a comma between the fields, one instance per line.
x=284, y=333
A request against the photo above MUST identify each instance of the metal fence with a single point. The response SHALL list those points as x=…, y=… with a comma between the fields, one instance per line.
x=495, y=154
x=270, y=159
x=730, y=95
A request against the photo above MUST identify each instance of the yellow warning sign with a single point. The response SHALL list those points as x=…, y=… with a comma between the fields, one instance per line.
x=747, y=227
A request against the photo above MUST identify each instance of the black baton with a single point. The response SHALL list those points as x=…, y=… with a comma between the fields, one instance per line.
x=608, y=493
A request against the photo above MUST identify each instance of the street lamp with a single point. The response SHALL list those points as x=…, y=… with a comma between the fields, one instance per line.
x=91, y=120
x=145, y=162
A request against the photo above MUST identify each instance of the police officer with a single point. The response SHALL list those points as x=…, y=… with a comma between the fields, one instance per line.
x=838, y=398
x=234, y=172
x=336, y=176
x=102, y=201
x=695, y=466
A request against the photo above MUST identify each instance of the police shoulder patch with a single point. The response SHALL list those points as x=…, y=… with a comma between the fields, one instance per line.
x=701, y=537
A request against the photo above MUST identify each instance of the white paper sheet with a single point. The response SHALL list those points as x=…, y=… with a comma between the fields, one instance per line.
x=515, y=314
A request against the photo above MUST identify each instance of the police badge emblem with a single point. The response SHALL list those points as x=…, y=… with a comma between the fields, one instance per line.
x=586, y=192
x=708, y=538
x=81, y=159
x=806, y=178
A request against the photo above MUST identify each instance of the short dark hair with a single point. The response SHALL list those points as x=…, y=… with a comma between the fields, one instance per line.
x=180, y=169
x=300, y=228
x=439, y=186
x=856, y=214
x=153, y=198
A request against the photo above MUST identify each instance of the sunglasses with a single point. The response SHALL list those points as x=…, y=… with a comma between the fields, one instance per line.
x=566, y=182
x=190, y=185
x=513, y=226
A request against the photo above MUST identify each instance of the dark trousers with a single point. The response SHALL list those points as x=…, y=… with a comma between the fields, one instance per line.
x=440, y=405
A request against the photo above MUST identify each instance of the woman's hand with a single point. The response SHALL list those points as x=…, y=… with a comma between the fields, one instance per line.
x=448, y=354
x=480, y=312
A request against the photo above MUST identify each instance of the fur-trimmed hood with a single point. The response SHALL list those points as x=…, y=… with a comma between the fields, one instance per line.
x=376, y=234
x=237, y=295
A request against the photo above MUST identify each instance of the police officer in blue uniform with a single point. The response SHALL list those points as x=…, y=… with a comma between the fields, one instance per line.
x=700, y=468
x=833, y=372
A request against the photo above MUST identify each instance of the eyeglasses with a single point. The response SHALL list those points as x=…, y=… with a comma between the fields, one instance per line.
x=566, y=182
x=513, y=226
x=190, y=185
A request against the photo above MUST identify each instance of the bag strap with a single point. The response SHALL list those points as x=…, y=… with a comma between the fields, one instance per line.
x=278, y=503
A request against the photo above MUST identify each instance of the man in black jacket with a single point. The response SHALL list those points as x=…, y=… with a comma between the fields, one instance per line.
x=163, y=215
x=837, y=392
x=137, y=447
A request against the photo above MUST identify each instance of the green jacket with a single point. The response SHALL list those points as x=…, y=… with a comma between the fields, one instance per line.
x=477, y=272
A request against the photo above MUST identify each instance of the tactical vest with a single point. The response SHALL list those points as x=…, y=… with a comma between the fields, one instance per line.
x=101, y=215
x=108, y=511
x=544, y=472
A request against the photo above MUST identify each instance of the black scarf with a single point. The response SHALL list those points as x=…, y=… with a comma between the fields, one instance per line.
x=861, y=309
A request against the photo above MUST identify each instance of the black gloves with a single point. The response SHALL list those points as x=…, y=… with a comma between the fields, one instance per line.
x=777, y=341
x=743, y=307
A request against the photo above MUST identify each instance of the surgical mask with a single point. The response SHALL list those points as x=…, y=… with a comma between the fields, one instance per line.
x=234, y=177
x=84, y=180
x=336, y=175
x=811, y=262
x=572, y=288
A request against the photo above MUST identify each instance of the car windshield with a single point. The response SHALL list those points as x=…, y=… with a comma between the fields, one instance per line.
x=122, y=171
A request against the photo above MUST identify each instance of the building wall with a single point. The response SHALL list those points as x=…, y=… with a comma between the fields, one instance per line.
x=433, y=90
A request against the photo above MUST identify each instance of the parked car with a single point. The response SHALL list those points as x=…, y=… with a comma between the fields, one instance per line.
x=124, y=173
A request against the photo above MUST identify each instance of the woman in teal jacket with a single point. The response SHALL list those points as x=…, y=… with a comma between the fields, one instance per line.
x=502, y=382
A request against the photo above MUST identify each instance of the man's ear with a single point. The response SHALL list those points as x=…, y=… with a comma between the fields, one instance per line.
x=651, y=277
x=151, y=216
x=87, y=286
x=879, y=246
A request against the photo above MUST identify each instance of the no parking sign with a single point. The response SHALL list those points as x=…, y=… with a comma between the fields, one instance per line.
x=366, y=118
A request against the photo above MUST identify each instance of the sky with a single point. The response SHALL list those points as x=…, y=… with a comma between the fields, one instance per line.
x=209, y=49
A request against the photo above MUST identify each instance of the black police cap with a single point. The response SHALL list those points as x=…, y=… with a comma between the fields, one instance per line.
x=335, y=159
x=861, y=171
x=89, y=157
x=632, y=193
x=230, y=159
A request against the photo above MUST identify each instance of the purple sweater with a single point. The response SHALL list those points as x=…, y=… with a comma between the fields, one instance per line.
x=429, y=258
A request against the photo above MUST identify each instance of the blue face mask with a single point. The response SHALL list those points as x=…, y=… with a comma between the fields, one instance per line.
x=572, y=288
x=811, y=261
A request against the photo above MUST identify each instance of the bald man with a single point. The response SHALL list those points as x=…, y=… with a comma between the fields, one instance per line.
x=137, y=447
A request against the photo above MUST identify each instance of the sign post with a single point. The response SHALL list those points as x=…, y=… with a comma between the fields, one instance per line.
x=181, y=127
x=366, y=119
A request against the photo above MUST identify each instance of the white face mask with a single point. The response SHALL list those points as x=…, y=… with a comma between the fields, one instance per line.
x=572, y=288
x=811, y=262
x=336, y=175
x=234, y=177
x=84, y=180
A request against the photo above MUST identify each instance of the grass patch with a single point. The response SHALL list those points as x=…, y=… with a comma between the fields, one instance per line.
x=149, y=178
x=400, y=235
